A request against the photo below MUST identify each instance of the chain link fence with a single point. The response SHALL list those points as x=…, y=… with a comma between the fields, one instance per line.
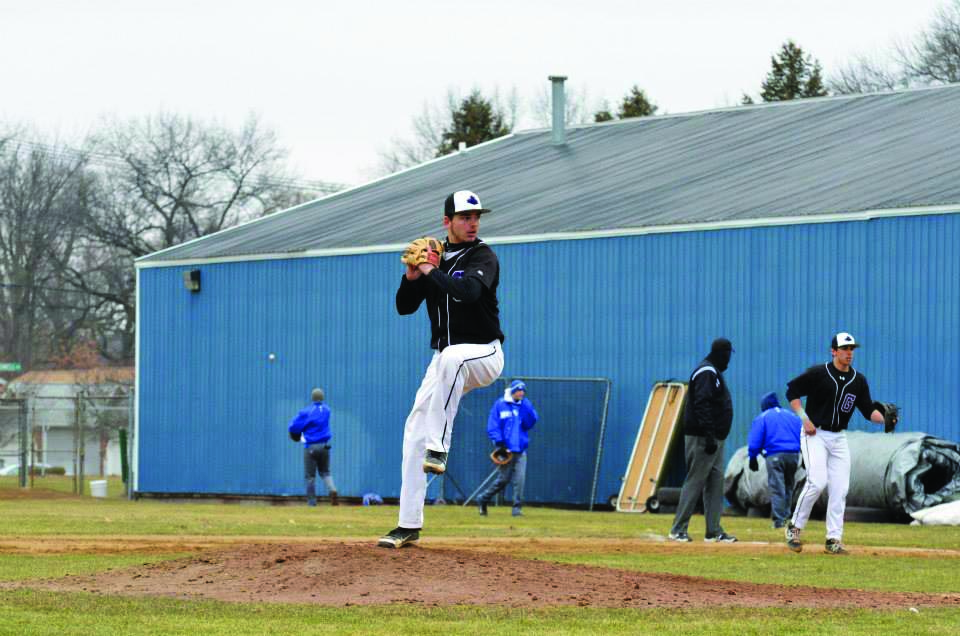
x=61, y=443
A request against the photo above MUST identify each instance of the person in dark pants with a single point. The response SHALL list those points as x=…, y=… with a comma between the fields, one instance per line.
x=508, y=427
x=312, y=424
x=707, y=420
x=776, y=433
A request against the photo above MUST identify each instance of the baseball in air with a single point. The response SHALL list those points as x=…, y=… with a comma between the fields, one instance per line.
x=272, y=357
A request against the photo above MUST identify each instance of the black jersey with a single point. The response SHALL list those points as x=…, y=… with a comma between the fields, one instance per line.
x=831, y=395
x=461, y=296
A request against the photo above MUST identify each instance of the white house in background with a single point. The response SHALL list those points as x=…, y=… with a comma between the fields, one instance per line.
x=52, y=398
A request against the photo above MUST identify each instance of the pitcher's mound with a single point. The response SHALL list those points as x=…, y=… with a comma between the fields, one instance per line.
x=363, y=574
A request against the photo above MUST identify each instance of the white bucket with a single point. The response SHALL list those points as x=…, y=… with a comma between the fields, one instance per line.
x=98, y=488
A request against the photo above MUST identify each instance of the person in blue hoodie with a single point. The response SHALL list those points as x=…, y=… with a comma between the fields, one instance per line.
x=776, y=433
x=312, y=424
x=508, y=426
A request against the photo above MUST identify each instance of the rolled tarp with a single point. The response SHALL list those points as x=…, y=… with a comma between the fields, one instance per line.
x=898, y=472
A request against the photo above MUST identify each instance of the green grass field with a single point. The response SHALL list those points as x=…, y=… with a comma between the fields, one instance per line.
x=599, y=539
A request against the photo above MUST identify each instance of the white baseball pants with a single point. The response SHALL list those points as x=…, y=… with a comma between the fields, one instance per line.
x=826, y=457
x=455, y=371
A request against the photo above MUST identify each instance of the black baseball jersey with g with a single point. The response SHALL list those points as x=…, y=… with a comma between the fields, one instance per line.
x=831, y=395
x=461, y=296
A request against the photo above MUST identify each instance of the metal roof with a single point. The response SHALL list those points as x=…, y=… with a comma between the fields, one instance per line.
x=787, y=161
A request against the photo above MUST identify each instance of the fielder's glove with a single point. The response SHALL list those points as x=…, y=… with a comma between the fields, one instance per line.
x=501, y=456
x=891, y=415
x=294, y=436
x=423, y=250
x=754, y=464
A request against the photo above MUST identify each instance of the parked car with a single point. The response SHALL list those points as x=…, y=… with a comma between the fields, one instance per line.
x=38, y=468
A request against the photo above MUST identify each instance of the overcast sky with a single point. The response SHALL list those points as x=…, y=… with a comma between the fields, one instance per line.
x=338, y=80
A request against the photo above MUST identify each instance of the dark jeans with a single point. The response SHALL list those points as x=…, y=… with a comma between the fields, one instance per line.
x=316, y=459
x=781, y=474
x=515, y=472
x=704, y=479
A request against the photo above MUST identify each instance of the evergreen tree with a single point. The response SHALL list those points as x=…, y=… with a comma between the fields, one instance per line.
x=602, y=116
x=794, y=75
x=475, y=121
x=636, y=104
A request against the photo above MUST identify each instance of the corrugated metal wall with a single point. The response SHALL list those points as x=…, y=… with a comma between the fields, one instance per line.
x=213, y=408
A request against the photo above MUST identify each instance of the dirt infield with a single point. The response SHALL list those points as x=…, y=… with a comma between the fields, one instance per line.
x=438, y=574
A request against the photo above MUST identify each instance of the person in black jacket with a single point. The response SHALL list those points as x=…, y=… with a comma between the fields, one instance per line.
x=708, y=416
x=461, y=297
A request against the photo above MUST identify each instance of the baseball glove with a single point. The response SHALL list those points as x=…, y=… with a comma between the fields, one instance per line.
x=891, y=415
x=425, y=249
x=501, y=456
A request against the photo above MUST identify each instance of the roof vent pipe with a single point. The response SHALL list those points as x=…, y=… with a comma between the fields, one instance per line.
x=559, y=102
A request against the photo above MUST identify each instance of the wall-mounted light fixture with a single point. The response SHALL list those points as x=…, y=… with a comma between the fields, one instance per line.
x=191, y=280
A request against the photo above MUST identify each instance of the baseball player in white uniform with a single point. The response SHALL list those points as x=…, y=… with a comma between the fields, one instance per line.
x=460, y=291
x=832, y=391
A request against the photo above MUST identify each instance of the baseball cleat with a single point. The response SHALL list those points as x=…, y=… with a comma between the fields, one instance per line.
x=399, y=537
x=792, y=533
x=833, y=546
x=334, y=498
x=435, y=462
x=516, y=512
x=679, y=537
x=483, y=508
x=723, y=537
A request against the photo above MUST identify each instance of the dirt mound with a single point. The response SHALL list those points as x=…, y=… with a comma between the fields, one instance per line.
x=362, y=574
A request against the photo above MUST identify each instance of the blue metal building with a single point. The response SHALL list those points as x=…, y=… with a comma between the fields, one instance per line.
x=625, y=248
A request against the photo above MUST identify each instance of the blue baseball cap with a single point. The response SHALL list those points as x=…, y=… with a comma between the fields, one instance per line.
x=517, y=385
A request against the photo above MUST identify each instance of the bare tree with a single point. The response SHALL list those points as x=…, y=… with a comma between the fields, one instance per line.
x=173, y=178
x=931, y=57
x=576, y=109
x=422, y=146
x=43, y=192
x=866, y=74
x=163, y=180
x=934, y=56
x=429, y=126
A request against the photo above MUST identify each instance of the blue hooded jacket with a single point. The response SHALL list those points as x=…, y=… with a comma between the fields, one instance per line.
x=313, y=423
x=509, y=422
x=775, y=430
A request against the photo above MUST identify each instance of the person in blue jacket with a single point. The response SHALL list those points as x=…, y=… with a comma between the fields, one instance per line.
x=312, y=424
x=776, y=433
x=508, y=426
